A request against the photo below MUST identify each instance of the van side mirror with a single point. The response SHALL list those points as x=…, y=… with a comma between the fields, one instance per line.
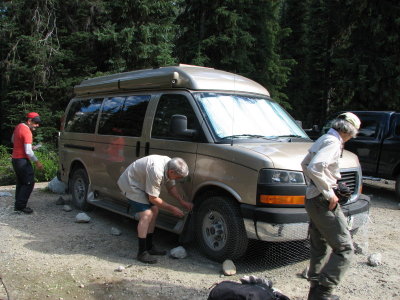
x=178, y=126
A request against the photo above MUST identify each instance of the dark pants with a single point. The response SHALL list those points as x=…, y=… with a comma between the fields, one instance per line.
x=25, y=181
x=328, y=228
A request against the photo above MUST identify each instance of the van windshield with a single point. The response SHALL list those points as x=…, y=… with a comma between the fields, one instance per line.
x=233, y=116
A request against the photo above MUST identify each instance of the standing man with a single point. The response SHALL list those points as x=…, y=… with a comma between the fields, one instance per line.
x=328, y=224
x=141, y=183
x=21, y=160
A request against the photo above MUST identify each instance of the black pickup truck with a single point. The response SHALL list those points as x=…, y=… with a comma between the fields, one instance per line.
x=377, y=144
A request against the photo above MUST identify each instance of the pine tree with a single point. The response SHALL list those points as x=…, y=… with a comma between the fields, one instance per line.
x=295, y=17
x=367, y=73
x=29, y=49
x=140, y=34
x=237, y=36
x=215, y=34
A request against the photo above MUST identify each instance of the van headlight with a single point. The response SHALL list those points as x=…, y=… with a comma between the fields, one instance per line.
x=273, y=176
x=277, y=178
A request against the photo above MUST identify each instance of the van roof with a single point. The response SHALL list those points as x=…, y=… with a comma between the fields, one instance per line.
x=174, y=77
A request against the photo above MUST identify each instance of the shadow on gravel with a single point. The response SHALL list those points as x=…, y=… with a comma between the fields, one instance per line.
x=54, y=231
x=50, y=230
x=139, y=289
x=382, y=196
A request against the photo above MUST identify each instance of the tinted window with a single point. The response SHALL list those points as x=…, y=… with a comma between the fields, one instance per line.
x=123, y=115
x=82, y=116
x=110, y=115
x=133, y=114
x=397, y=126
x=168, y=106
x=369, y=128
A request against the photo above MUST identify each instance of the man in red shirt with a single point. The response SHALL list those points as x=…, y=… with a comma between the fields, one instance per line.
x=21, y=160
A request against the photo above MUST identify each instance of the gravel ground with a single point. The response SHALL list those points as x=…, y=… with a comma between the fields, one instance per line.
x=47, y=255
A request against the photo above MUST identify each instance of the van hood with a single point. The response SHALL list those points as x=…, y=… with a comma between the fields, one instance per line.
x=290, y=155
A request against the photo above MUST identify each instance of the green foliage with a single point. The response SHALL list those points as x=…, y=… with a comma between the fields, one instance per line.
x=49, y=159
x=237, y=36
x=295, y=47
x=7, y=176
x=46, y=155
x=313, y=56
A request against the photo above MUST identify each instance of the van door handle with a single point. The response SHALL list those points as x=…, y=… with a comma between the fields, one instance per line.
x=137, y=148
x=147, y=149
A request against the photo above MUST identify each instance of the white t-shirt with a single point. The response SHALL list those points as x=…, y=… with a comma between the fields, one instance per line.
x=144, y=177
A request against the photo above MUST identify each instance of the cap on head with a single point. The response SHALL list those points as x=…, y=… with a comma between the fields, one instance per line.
x=351, y=118
x=34, y=116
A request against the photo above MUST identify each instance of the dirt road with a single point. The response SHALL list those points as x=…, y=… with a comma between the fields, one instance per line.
x=48, y=256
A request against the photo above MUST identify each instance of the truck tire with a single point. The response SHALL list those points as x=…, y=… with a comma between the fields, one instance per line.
x=79, y=185
x=220, y=229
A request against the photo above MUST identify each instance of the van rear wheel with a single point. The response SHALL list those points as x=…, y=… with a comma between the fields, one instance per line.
x=220, y=229
x=79, y=186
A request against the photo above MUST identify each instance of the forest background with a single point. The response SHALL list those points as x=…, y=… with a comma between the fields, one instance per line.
x=314, y=56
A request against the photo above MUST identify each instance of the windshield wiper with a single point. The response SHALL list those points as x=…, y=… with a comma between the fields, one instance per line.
x=242, y=136
x=291, y=135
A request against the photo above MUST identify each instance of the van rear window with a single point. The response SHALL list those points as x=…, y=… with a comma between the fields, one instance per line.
x=82, y=116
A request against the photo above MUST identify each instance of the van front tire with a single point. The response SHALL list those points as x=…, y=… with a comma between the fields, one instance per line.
x=220, y=230
x=79, y=185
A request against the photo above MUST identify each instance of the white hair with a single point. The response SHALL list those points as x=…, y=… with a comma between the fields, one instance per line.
x=344, y=126
x=179, y=166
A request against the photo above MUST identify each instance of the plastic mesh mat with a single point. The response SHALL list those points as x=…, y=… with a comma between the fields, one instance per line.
x=263, y=257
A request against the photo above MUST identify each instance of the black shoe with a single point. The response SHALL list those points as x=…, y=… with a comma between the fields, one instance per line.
x=26, y=210
x=324, y=293
x=146, y=257
x=155, y=251
x=313, y=288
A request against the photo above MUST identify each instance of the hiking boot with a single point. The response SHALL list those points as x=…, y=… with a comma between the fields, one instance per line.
x=25, y=210
x=156, y=251
x=324, y=293
x=146, y=257
x=313, y=288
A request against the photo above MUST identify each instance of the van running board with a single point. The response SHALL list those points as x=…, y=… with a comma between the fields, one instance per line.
x=164, y=221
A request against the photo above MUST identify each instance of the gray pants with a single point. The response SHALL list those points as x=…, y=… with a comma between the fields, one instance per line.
x=328, y=228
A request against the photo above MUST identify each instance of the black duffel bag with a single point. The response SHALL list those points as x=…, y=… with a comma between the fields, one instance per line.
x=230, y=290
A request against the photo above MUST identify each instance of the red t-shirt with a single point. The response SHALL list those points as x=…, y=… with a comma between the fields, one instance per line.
x=22, y=136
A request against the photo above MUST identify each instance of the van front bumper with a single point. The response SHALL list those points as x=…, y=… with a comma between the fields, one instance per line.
x=282, y=224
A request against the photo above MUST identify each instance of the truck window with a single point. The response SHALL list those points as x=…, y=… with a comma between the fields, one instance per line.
x=123, y=115
x=168, y=106
x=82, y=116
x=397, y=126
x=369, y=128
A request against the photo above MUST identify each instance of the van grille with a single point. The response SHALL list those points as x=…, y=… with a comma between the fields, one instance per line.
x=351, y=180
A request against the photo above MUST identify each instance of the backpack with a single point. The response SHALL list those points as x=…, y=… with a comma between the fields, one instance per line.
x=230, y=290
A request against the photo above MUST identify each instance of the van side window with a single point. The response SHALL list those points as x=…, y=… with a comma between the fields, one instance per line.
x=82, y=116
x=133, y=113
x=110, y=115
x=168, y=106
x=123, y=115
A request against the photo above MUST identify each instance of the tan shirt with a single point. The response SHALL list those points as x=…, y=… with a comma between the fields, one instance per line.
x=321, y=165
x=144, y=177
